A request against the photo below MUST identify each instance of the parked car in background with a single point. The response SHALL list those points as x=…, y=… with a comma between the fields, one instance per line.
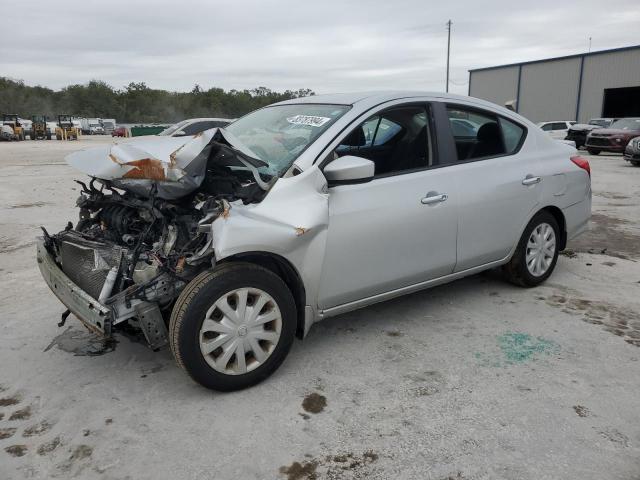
x=193, y=126
x=246, y=236
x=51, y=128
x=615, y=138
x=27, y=126
x=557, y=129
x=578, y=132
x=108, y=124
x=632, y=152
x=119, y=132
x=6, y=133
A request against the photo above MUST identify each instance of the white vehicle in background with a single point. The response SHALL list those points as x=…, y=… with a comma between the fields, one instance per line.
x=77, y=123
x=6, y=133
x=90, y=126
x=26, y=125
x=51, y=128
x=556, y=129
x=193, y=126
x=108, y=125
x=96, y=129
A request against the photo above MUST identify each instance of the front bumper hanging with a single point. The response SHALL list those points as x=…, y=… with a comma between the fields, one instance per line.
x=93, y=314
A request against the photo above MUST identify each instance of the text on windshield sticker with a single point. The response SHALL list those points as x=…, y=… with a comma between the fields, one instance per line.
x=311, y=120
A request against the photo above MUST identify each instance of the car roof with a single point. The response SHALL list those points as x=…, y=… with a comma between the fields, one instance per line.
x=352, y=98
x=204, y=119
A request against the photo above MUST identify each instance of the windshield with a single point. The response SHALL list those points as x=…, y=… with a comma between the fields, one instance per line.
x=599, y=122
x=173, y=128
x=627, y=124
x=278, y=135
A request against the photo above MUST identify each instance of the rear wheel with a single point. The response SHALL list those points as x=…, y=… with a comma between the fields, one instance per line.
x=537, y=252
x=593, y=151
x=232, y=327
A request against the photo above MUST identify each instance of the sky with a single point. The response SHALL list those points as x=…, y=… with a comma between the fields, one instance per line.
x=327, y=46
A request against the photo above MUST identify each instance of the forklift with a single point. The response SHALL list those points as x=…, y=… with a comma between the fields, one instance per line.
x=11, y=120
x=39, y=130
x=65, y=129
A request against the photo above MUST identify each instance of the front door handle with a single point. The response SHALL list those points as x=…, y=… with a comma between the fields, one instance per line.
x=531, y=180
x=432, y=198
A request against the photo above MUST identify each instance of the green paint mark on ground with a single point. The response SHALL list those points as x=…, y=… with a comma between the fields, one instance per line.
x=522, y=347
x=517, y=348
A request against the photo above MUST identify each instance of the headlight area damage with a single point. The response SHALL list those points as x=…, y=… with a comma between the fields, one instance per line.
x=145, y=226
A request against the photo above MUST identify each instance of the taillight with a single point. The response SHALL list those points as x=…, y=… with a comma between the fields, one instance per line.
x=582, y=163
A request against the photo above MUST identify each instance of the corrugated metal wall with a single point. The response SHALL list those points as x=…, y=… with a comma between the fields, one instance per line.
x=498, y=86
x=549, y=90
x=611, y=70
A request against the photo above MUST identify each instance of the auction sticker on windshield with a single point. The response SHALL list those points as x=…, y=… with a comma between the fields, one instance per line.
x=311, y=120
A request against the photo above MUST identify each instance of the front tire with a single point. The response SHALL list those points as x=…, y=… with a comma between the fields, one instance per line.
x=233, y=326
x=593, y=151
x=537, y=252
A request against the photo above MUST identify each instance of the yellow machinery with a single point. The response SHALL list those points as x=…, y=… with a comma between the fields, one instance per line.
x=12, y=120
x=39, y=128
x=65, y=129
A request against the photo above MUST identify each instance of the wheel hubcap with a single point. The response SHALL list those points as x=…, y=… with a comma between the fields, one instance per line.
x=541, y=248
x=240, y=331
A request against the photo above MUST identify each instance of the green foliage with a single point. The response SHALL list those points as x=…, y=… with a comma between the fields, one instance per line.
x=136, y=102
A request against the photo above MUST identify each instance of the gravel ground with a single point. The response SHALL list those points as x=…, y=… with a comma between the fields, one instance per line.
x=472, y=380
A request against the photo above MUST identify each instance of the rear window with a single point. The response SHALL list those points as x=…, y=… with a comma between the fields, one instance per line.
x=513, y=134
x=482, y=134
x=627, y=124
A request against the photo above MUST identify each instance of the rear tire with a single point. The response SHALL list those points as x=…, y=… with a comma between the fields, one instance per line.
x=536, y=254
x=202, y=335
x=593, y=151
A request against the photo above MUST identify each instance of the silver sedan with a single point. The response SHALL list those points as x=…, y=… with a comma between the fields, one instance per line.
x=310, y=208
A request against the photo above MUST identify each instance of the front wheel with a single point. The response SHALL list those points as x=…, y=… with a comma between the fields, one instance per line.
x=593, y=151
x=537, y=252
x=635, y=163
x=233, y=326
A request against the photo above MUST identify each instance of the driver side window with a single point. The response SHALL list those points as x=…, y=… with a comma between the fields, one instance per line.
x=396, y=140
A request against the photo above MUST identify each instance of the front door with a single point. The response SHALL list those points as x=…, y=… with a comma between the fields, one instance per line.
x=398, y=229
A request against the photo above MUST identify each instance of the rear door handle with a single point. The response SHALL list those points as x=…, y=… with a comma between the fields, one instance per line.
x=432, y=198
x=531, y=180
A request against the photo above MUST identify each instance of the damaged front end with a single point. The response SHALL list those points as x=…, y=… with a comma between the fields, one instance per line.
x=145, y=227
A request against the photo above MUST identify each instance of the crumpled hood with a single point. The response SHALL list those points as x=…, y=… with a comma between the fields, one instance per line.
x=176, y=165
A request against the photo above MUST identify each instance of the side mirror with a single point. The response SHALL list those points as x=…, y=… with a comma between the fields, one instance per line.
x=349, y=169
x=180, y=133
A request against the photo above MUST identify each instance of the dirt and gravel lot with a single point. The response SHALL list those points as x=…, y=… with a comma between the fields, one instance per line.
x=472, y=380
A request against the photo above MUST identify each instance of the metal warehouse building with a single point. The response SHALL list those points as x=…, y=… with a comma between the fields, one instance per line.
x=575, y=87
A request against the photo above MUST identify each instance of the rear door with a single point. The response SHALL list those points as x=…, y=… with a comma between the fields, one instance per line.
x=497, y=183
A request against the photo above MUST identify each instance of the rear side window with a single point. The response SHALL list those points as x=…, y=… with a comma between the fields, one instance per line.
x=513, y=134
x=476, y=134
x=559, y=126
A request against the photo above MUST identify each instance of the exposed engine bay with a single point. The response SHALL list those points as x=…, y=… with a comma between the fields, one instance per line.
x=141, y=238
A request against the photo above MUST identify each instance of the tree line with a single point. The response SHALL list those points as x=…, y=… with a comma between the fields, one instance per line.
x=136, y=103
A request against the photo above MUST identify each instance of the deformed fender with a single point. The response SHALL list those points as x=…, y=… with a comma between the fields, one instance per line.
x=291, y=221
